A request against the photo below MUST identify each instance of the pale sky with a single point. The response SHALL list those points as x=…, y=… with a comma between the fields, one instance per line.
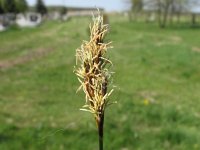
x=108, y=5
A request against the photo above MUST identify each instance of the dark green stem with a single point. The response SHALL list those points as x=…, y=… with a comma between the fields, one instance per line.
x=100, y=131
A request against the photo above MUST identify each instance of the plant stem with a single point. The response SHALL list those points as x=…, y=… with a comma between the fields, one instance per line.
x=100, y=130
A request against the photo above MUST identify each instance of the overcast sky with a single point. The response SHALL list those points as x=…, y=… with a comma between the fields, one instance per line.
x=108, y=5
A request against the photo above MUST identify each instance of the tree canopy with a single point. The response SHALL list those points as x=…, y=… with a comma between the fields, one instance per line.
x=1, y=7
x=137, y=5
x=8, y=6
x=21, y=5
x=13, y=6
x=63, y=10
x=40, y=7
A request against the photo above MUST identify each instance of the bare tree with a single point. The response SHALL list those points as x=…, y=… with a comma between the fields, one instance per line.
x=137, y=6
x=163, y=11
x=135, y=9
x=178, y=8
x=162, y=7
x=166, y=9
x=194, y=8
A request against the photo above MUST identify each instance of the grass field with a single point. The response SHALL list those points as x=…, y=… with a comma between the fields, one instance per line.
x=157, y=83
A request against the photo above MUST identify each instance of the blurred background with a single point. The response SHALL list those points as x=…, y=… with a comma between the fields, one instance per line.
x=156, y=59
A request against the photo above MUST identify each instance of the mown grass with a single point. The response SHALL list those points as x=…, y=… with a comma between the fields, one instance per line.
x=157, y=78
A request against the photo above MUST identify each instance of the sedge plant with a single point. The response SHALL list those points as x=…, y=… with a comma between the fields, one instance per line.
x=92, y=70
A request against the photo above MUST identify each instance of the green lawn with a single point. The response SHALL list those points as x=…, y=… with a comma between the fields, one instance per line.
x=157, y=79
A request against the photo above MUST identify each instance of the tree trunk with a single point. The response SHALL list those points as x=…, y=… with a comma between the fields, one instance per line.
x=165, y=15
x=130, y=16
x=171, y=18
x=178, y=17
x=163, y=12
x=193, y=19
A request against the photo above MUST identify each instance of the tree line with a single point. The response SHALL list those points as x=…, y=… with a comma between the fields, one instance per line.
x=13, y=6
x=165, y=9
x=20, y=6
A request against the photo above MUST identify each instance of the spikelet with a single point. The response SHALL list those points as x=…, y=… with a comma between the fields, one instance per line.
x=92, y=69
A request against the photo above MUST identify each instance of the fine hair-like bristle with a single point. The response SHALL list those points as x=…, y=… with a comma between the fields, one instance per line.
x=92, y=70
